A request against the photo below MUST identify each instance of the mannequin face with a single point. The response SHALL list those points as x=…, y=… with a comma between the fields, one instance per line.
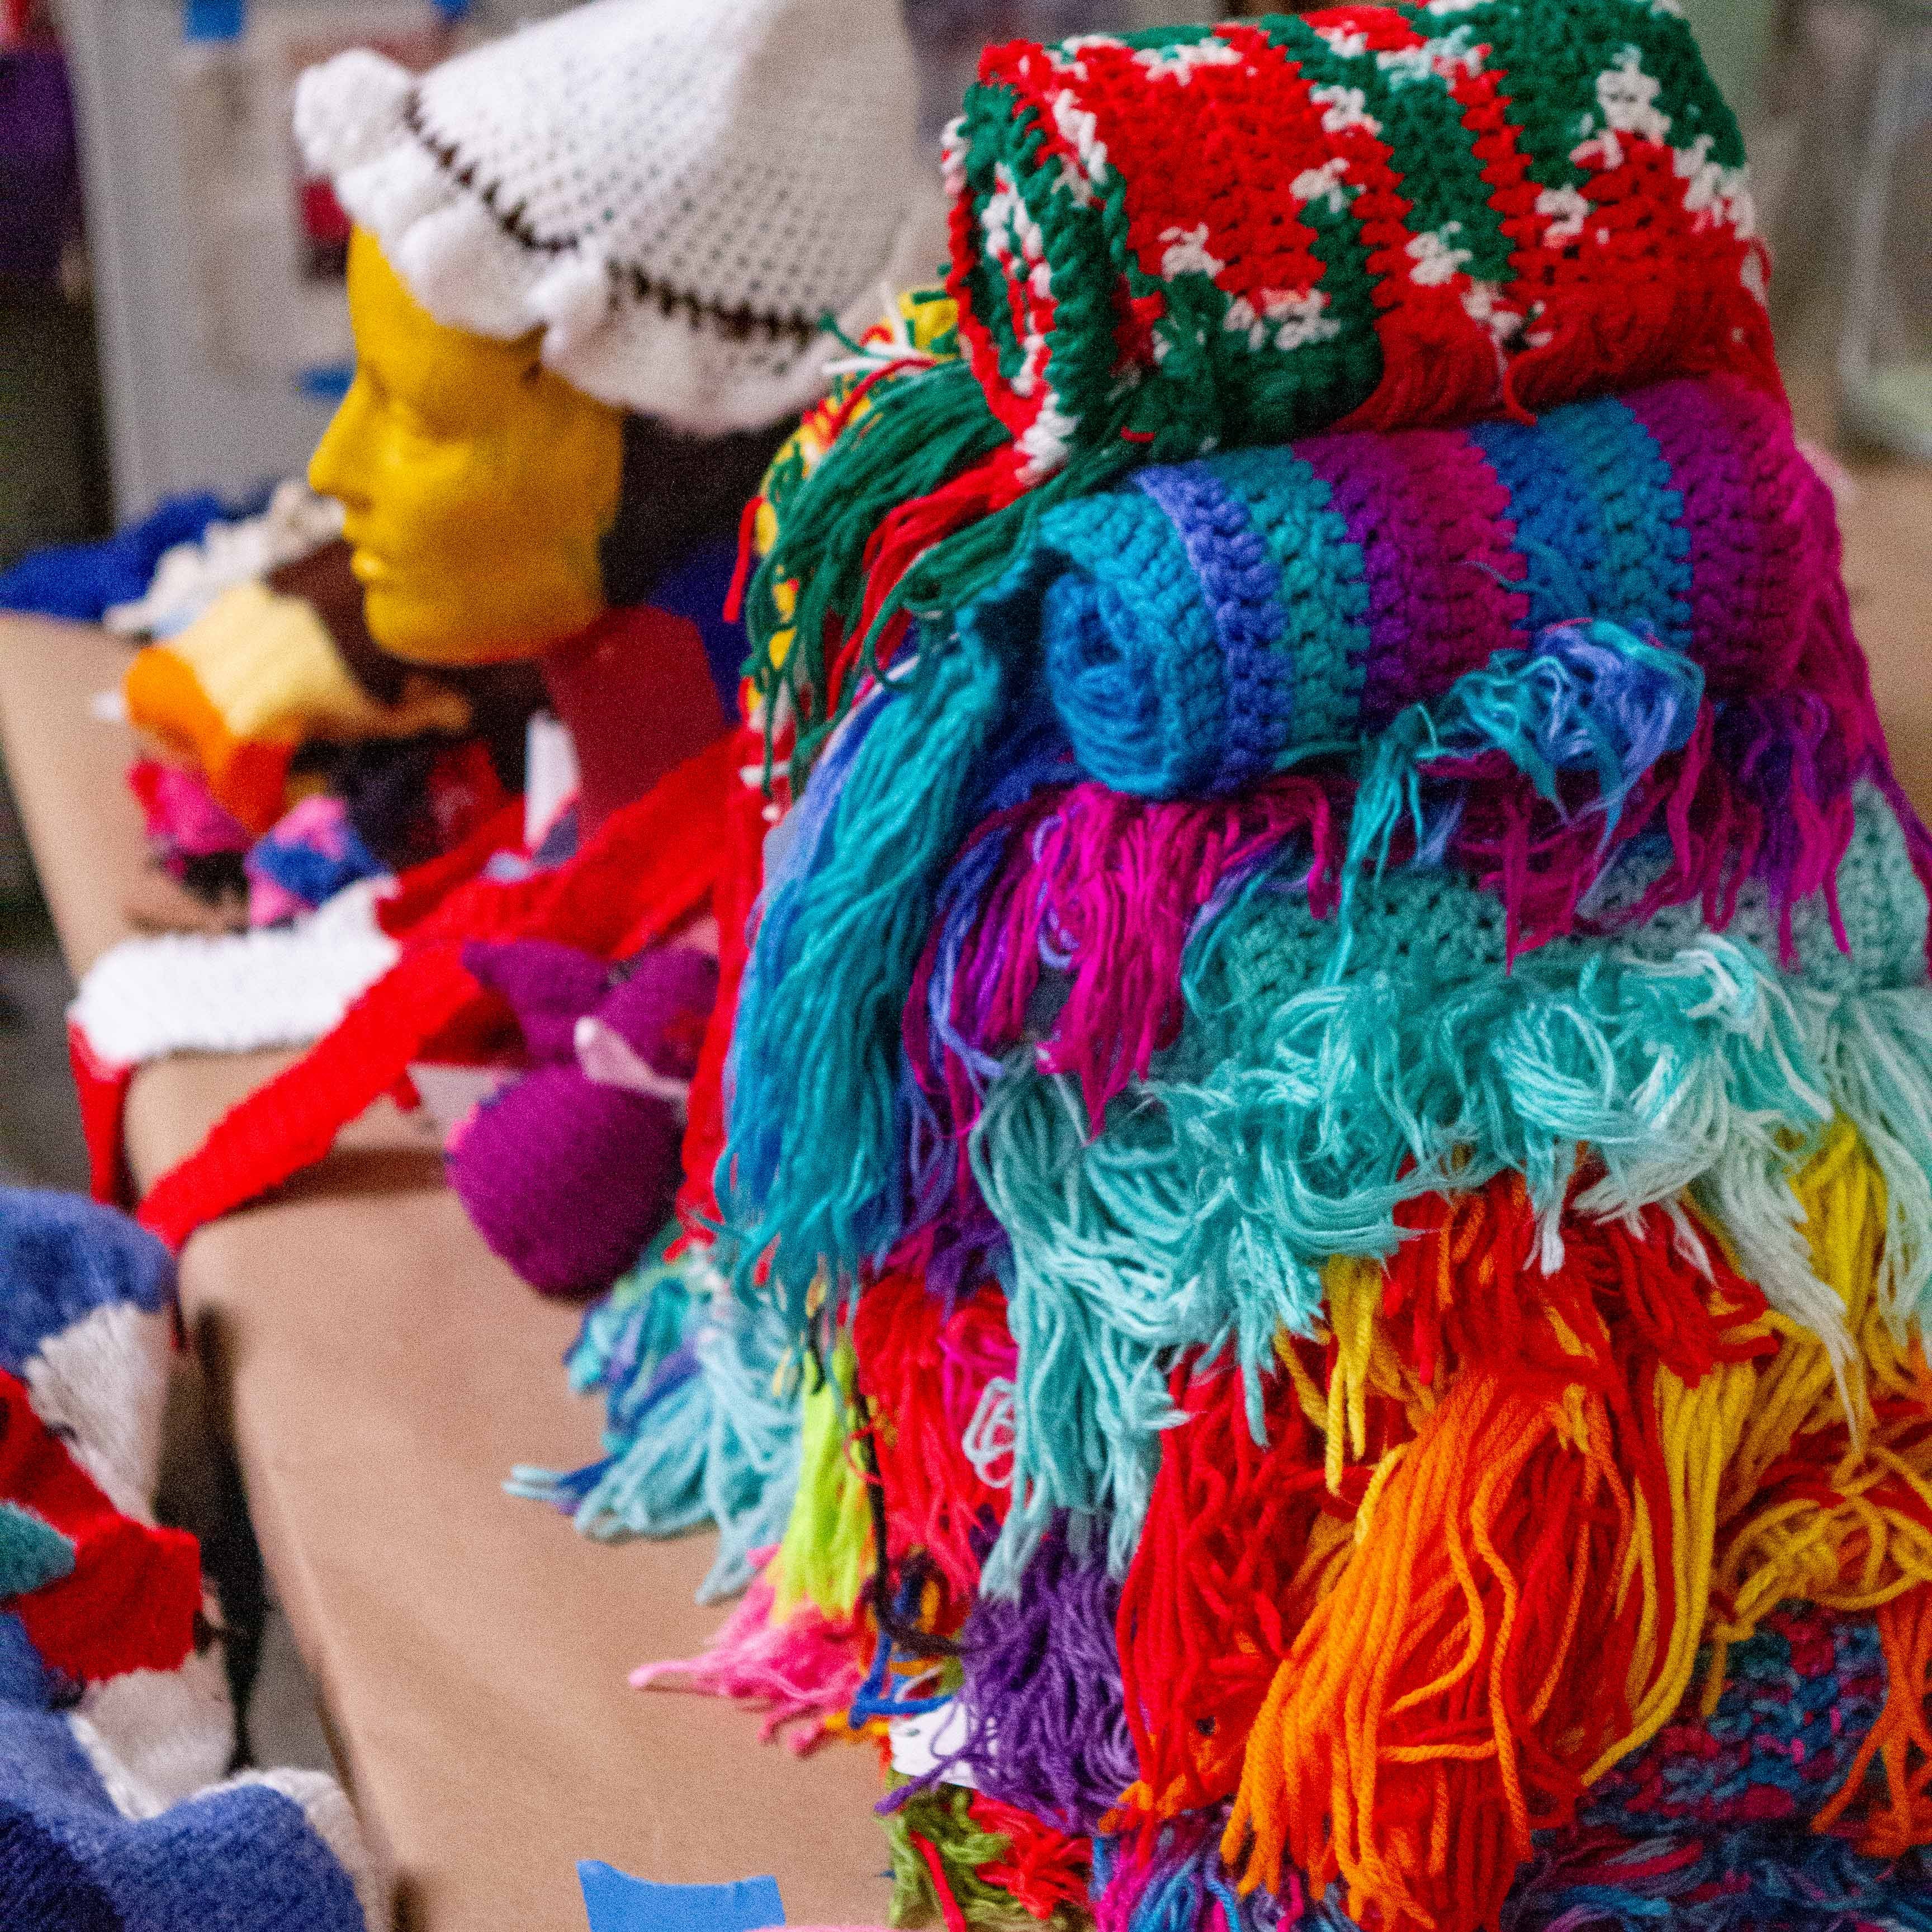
x=476, y=483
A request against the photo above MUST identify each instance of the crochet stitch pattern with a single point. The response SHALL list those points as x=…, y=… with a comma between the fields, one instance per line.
x=1347, y=576
x=1390, y=215
x=676, y=200
x=1191, y=237
x=1308, y=1227
x=1387, y=966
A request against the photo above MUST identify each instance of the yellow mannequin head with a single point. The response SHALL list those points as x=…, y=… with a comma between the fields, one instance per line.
x=478, y=485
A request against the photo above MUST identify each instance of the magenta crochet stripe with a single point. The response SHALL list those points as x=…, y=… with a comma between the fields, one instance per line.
x=1432, y=520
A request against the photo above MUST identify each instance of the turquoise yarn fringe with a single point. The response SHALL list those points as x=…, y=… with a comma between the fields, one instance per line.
x=1293, y=1117
x=702, y=1420
x=1587, y=698
x=818, y=1118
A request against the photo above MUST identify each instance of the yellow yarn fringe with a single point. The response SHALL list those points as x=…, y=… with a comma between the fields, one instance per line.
x=825, y=1554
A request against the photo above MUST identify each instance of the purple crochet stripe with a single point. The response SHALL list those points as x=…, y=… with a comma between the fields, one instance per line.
x=1797, y=718
x=1764, y=541
x=1431, y=519
x=1239, y=581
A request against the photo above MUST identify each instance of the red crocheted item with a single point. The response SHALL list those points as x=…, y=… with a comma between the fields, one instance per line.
x=131, y=1599
x=648, y=869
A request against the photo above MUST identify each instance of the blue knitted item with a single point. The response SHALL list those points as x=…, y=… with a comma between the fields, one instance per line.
x=1203, y=625
x=239, y=1858
x=80, y=581
x=62, y=1258
x=307, y=872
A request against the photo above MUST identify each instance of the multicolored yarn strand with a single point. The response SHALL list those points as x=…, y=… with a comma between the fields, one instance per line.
x=1334, y=1050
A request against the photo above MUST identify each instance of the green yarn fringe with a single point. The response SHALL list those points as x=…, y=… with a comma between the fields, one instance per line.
x=825, y=1557
x=940, y=1815
x=922, y=437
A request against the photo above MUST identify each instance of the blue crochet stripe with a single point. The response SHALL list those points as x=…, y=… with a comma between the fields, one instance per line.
x=1558, y=530
x=1133, y=656
x=1646, y=549
x=1564, y=474
x=1240, y=584
x=1319, y=584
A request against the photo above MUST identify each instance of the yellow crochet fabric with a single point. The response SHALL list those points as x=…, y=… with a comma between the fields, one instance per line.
x=255, y=676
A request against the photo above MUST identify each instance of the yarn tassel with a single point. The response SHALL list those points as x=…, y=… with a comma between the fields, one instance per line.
x=1877, y=1056
x=1440, y=1703
x=711, y=1440
x=1204, y=1212
x=921, y=428
x=1239, y=1540
x=1900, y=1742
x=1833, y=1508
x=1091, y=1395
x=929, y=1375
x=1173, y=1879
x=825, y=1557
x=947, y=1846
x=812, y=1166
x=1105, y=890
x=800, y=1670
x=1045, y=1726
x=1045, y=1870
x=1590, y=699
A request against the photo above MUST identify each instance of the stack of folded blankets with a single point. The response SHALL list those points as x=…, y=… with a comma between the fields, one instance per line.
x=1330, y=1111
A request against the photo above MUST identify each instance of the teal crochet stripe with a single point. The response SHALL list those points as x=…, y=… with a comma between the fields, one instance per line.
x=1180, y=668
x=1321, y=584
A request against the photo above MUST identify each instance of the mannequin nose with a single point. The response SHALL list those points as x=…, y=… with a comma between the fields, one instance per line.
x=340, y=466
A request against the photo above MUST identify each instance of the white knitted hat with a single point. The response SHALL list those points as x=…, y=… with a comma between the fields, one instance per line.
x=677, y=192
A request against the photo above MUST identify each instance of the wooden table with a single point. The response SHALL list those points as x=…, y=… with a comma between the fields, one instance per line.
x=380, y=1372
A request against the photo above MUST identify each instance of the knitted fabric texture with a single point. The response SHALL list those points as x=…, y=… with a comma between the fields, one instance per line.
x=1194, y=238
x=676, y=197
x=1391, y=211
x=570, y=1170
x=280, y=986
x=1201, y=626
x=116, y=1730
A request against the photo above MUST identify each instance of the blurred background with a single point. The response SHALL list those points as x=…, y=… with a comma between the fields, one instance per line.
x=172, y=318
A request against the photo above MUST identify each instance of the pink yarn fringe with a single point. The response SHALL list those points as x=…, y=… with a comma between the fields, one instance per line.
x=1106, y=889
x=799, y=1673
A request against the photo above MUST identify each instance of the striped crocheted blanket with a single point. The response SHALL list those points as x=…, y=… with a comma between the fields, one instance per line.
x=1335, y=1066
x=119, y=1807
